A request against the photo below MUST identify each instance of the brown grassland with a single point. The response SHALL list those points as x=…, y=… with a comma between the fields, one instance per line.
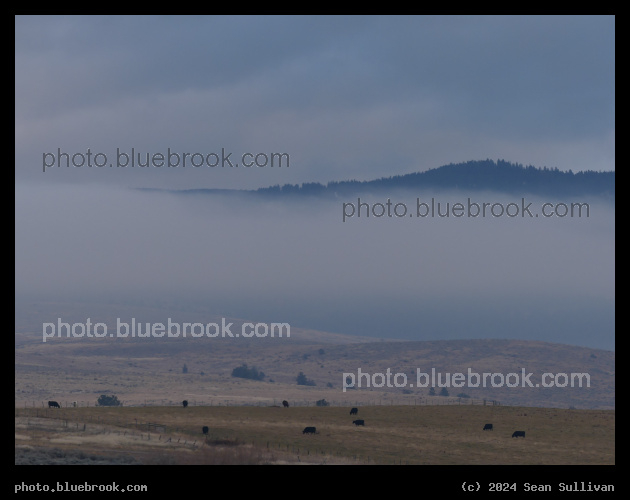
x=422, y=435
x=403, y=425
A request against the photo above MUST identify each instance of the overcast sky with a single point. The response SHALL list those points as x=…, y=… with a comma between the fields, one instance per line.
x=344, y=98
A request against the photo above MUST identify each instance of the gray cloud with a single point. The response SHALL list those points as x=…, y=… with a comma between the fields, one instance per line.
x=297, y=261
x=345, y=97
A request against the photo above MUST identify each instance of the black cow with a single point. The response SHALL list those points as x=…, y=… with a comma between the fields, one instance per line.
x=204, y=429
x=184, y=403
x=518, y=434
x=285, y=404
x=53, y=404
x=487, y=427
x=354, y=411
x=359, y=422
x=309, y=430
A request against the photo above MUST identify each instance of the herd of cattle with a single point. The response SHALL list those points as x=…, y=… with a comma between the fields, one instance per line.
x=313, y=430
x=354, y=411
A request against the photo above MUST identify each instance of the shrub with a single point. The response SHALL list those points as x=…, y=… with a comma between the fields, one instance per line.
x=302, y=380
x=244, y=372
x=105, y=400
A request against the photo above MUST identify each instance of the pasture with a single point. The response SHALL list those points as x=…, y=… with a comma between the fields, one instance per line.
x=406, y=435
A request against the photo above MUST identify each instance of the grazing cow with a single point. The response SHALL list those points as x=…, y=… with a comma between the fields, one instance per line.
x=204, y=429
x=285, y=404
x=359, y=422
x=184, y=403
x=518, y=434
x=487, y=427
x=354, y=411
x=309, y=430
x=53, y=404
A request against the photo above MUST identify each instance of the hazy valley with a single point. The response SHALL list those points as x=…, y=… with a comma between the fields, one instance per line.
x=167, y=370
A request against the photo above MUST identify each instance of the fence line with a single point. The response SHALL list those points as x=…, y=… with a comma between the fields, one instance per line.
x=423, y=401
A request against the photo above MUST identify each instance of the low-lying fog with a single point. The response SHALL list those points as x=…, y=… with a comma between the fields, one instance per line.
x=406, y=277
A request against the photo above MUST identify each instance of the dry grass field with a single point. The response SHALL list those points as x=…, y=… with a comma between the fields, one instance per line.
x=151, y=371
x=407, y=435
x=248, y=425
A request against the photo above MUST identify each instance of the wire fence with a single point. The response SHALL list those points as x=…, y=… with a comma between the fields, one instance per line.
x=421, y=401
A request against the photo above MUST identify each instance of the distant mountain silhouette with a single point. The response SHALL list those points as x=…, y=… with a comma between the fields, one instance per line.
x=482, y=175
x=499, y=176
